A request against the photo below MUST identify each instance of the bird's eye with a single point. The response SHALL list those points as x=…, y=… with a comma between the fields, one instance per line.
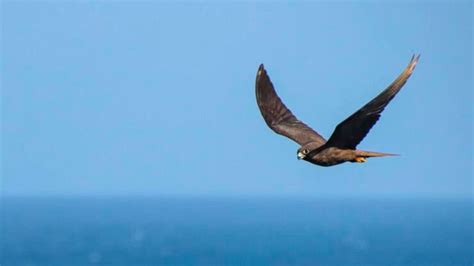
x=305, y=151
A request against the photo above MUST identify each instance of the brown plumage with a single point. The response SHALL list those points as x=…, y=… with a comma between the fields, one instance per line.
x=341, y=146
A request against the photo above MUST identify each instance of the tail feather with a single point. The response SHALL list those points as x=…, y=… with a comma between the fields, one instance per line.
x=367, y=154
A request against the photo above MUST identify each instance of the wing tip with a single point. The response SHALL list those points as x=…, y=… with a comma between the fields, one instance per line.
x=415, y=58
x=261, y=71
x=413, y=62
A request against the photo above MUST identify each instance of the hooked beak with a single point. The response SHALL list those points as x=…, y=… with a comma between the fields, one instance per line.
x=300, y=155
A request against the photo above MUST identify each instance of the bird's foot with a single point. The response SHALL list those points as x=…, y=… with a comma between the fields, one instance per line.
x=360, y=159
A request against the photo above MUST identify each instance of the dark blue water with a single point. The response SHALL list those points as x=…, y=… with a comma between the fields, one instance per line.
x=200, y=231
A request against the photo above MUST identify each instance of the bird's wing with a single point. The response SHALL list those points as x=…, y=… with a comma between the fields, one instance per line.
x=277, y=116
x=350, y=132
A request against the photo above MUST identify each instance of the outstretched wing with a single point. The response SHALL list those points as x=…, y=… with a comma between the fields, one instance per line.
x=277, y=116
x=350, y=132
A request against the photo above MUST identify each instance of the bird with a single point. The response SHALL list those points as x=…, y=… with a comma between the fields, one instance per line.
x=341, y=146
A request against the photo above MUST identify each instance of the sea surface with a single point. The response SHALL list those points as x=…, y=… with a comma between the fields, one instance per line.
x=235, y=231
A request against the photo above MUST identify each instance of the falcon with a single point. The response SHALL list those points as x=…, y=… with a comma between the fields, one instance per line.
x=342, y=144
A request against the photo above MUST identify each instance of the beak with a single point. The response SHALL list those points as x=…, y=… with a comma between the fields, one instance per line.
x=300, y=155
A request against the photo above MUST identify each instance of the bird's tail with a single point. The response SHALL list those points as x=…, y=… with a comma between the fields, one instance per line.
x=367, y=154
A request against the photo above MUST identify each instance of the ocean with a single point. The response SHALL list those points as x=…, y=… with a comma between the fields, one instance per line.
x=235, y=231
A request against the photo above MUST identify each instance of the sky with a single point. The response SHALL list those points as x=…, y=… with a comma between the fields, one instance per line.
x=158, y=99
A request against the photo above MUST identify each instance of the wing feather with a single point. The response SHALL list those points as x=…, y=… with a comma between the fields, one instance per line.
x=350, y=132
x=277, y=116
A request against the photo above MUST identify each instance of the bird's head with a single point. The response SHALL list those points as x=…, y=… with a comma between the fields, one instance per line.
x=306, y=149
x=301, y=153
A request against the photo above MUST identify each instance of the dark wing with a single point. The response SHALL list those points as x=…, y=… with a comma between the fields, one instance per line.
x=277, y=116
x=350, y=132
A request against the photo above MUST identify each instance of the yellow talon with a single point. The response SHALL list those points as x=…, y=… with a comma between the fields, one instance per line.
x=360, y=159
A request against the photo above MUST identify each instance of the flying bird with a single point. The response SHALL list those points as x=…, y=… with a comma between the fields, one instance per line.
x=341, y=146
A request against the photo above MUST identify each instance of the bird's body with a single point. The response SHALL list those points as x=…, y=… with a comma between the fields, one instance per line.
x=329, y=156
x=341, y=146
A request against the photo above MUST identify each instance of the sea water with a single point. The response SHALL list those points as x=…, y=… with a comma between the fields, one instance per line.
x=235, y=231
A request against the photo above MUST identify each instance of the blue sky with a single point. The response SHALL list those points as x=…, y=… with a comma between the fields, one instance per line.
x=155, y=98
